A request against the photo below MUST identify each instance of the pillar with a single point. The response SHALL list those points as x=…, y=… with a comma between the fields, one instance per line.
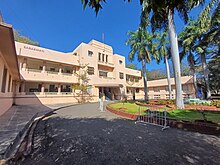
x=44, y=67
x=59, y=88
x=42, y=89
x=103, y=95
x=112, y=94
x=17, y=87
x=60, y=69
x=24, y=66
x=23, y=87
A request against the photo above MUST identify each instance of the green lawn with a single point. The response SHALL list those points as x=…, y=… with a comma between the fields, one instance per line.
x=186, y=115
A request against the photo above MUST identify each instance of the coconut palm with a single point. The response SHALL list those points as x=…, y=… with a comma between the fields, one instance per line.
x=141, y=43
x=187, y=41
x=196, y=39
x=163, y=53
x=163, y=16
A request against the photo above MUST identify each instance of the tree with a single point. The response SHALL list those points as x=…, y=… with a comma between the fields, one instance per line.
x=214, y=76
x=197, y=43
x=163, y=50
x=19, y=38
x=131, y=66
x=83, y=84
x=138, y=43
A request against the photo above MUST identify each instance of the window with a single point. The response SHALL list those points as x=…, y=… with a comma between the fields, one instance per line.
x=103, y=57
x=4, y=79
x=106, y=60
x=120, y=62
x=121, y=75
x=157, y=89
x=103, y=73
x=40, y=67
x=136, y=79
x=128, y=91
x=137, y=90
x=90, y=53
x=9, y=83
x=52, y=69
x=100, y=56
x=90, y=70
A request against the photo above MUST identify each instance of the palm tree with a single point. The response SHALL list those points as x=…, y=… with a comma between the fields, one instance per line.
x=164, y=53
x=196, y=39
x=187, y=41
x=162, y=16
x=141, y=44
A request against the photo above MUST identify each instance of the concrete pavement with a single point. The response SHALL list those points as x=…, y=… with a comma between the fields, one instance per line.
x=83, y=135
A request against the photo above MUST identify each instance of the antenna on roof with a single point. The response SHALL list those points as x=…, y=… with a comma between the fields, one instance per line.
x=103, y=39
x=1, y=17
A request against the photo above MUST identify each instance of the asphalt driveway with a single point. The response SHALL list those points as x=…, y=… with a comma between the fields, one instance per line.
x=82, y=134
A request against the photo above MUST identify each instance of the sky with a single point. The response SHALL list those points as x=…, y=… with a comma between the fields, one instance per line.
x=62, y=25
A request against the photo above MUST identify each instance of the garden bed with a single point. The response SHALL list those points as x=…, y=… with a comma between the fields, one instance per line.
x=191, y=120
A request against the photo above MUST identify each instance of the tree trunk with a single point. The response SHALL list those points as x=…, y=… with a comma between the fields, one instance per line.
x=176, y=60
x=193, y=71
x=168, y=77
x=206, y=76
x=145, y=79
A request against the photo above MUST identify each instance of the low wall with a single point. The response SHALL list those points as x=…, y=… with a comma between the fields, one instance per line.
x=5, y=104
x=34, y=100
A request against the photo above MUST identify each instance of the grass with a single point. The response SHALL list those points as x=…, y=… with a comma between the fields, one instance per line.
x=185, y=115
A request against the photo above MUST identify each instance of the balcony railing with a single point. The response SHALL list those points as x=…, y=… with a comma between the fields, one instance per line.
x=108, y=63
x=34, y=70
x=110, y=78
x=52, y=72
x=67, y=74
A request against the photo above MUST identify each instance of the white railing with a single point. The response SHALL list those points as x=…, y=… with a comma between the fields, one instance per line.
x=52, y=72
x=67, y=74
x=34, y=70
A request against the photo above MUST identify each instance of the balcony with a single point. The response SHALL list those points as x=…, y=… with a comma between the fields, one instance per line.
x=48, y=76
x=134, y=83
x=111, y=65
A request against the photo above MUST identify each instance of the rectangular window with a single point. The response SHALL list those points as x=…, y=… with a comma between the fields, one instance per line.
x=4, y=79
x=121, y=75
x=106, y=60
x=103, y=57
x=136, y=79
x=9, y=83
x=40, y=67
x=90, y=53
x=103, y=73
x=100, y=56
x=52, y=69
x=137, y=90
x=90, y=70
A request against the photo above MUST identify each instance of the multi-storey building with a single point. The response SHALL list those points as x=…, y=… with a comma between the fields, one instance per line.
x=48, y=76
x=35, y=75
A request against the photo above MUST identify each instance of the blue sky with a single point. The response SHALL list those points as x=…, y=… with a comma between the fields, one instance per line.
x=63, y=25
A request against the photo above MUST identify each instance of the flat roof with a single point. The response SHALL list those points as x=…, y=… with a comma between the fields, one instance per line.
x=7, y=49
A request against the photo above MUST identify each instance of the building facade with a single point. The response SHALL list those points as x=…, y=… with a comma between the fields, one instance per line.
x=9, y=72
x=49, y=76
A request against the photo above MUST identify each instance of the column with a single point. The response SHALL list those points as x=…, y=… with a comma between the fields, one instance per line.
x=24, y=64
x=103, y=95
x=112, y=94
x=23, y=88
x=59, y=88
x=60, y=69
x=17, y=87
x=44, y=67
x=42, y=89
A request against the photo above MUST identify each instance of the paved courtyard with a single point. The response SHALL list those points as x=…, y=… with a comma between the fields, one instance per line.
x=82, y=135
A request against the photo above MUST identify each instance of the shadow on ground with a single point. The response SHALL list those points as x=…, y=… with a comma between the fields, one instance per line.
x=117, y=141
